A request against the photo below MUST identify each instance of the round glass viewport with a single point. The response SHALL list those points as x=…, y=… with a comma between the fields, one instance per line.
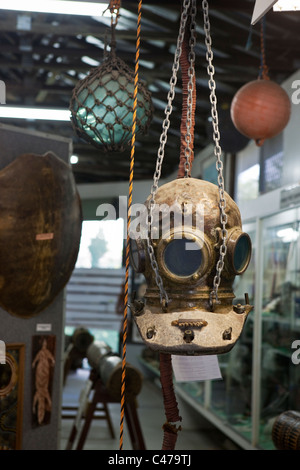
x=242, y=253
x=183, y=257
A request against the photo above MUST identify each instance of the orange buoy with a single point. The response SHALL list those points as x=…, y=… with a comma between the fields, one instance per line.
x=260, y=110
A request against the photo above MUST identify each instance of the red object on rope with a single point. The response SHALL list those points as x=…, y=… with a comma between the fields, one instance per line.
x=166, y=372
x=184, y=64
x=260, y=110
x=170, y=403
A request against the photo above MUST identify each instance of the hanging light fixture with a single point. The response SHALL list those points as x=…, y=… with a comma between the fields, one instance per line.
x=286, y=5
x=102, y=103
x=261, y=7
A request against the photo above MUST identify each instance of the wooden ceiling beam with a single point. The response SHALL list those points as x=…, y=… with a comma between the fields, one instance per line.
x=62, y=29
x=243, y=5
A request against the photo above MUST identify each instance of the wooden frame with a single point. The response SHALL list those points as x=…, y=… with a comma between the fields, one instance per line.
x=11, y=397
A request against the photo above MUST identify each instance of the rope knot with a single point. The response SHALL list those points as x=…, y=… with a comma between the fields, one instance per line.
x=171, y=428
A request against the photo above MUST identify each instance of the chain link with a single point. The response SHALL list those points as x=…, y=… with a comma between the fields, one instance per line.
x=216, y=137
x=218, y=153
x=164, y=299
x=264, y=70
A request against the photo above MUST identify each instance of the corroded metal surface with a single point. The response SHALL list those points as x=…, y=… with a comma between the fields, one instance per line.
x=192, y=192
x=218, y=336
x=211, y=332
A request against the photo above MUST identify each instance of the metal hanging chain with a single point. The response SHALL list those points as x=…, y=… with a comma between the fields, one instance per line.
x=218, y=153
x=114, y=8
x=191, y=75
x=264, y=70
x=164, y=299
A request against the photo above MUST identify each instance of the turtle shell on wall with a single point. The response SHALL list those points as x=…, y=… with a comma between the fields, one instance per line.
x=40, y=230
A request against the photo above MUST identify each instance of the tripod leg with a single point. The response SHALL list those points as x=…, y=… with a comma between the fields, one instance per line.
x=72, y=438
x=134, y=427
x=107, y=415
x=88, y=420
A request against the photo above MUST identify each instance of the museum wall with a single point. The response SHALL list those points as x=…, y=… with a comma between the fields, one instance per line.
x=23, y=336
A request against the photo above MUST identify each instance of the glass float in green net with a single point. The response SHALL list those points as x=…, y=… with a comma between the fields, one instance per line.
x=102, y=106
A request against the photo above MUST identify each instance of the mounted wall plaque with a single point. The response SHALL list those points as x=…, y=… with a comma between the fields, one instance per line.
x=40, y=232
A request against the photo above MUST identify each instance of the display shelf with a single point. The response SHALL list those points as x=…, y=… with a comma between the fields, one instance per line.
x=217, y=420
x=193, y=393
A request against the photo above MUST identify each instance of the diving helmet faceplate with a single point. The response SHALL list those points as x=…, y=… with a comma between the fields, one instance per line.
x=186, y=236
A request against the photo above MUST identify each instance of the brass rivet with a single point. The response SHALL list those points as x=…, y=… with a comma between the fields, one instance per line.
x=239, y=308
x=188, y=336
x=150, y=332
x=227, y=333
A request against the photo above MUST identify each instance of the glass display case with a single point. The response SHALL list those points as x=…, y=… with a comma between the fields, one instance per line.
x=279, y=319
x=260, y=378
x=231, y=397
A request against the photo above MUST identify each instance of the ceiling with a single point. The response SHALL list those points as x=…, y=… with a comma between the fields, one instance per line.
x=41, y=66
